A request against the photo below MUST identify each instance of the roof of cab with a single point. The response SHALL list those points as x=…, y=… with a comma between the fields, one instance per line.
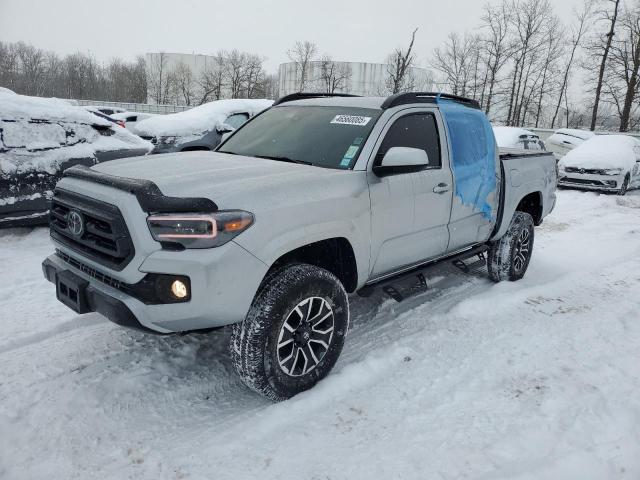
x=354, y=102
x=348, y=100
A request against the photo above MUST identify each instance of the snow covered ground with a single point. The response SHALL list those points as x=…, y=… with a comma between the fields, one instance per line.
x=538, y=379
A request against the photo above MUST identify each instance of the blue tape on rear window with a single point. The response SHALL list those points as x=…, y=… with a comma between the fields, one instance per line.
x=473, y=155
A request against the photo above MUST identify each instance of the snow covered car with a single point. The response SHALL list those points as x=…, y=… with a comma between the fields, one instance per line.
x=518, y=138
x=604, y=162
x=39, y=138
x=199, y=128
x=130, y=119
x=566, y=139
x=318, y=196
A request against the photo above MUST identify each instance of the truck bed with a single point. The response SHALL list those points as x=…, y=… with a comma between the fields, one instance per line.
x=525, y=172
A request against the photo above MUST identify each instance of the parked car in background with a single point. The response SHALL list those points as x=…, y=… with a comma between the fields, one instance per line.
x=130, y=119
x=106, y=110
x=199, y=128
x=566, y=139
x=39, y=138
x=98, y=113
x=604, y=162
x=518, y=138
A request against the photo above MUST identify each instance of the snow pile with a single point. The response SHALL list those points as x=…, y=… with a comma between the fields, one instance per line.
x=199, y=119
x=536, y=379
x=604, y=151
x=40, y=134
x=511, y=137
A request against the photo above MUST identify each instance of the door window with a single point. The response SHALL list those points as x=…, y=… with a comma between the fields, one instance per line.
x=416, y=130
x=236, y=120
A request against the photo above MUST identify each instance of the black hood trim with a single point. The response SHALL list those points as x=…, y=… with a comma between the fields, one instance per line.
x=151, y=199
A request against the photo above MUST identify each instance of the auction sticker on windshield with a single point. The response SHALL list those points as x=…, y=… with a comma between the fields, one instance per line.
x=351, y=120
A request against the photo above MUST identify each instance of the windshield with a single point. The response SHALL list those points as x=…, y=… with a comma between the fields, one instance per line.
x=330, y=137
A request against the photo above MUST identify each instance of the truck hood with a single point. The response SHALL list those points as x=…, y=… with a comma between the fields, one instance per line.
x=232, y=181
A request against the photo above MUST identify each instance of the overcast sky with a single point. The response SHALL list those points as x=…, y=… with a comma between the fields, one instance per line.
x=353, y=30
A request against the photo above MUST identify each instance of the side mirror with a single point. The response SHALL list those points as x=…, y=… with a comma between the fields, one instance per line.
x=402, y=160
x=223, y=128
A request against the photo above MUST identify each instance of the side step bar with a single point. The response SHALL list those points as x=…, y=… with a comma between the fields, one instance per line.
x=396, y=287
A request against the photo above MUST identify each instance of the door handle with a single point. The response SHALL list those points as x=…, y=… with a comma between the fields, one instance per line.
x=441, y=188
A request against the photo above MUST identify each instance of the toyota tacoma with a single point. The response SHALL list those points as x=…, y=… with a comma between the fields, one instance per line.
x=315, y=198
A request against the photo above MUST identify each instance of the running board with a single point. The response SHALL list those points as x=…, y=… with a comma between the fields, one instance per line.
x=413, y=282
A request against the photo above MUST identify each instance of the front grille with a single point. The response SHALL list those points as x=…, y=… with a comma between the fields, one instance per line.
x=585, y=181
x=102, y=236
x=590, y=171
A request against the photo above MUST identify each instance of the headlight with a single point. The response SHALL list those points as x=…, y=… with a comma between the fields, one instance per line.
x=198, y=230
x=612, y=171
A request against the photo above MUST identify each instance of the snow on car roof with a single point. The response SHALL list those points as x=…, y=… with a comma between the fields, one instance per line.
x=200, y=119
x=45, y=146
x=23, y=107
x=507, y=137
x=603, y=151
x=574, y=132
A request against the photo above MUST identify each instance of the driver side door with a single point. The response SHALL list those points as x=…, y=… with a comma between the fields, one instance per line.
x=410, y=211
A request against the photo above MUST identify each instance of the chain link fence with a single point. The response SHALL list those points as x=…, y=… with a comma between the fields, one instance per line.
x=135, y=107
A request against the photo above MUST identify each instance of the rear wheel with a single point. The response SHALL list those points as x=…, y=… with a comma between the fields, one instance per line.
x=508, y=258
x=293, y=333
x=625, y=185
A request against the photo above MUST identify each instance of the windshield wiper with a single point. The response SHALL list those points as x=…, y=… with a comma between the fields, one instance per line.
x=283, y=159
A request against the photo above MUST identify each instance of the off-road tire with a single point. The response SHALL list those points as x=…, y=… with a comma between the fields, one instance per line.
x=625, y=185
x=507, y=258
x=254, y=341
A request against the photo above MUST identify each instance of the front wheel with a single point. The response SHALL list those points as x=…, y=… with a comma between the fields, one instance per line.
x=625, y=185
x=508, y=258
x=294, y=332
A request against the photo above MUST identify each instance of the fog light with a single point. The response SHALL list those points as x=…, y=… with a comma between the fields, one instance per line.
x=179, y=289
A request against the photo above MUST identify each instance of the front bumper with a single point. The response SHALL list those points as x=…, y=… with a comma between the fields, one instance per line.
x=591, y=181
x=96, y=300
x=223, y=282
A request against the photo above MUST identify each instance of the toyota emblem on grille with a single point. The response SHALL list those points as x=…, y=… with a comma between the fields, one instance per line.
x=582, y=170
x=75, y=223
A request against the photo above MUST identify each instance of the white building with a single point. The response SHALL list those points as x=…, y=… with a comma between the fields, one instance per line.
x=165, y=63
x=348, y=77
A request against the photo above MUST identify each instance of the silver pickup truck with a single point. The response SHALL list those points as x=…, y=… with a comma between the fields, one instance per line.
x=317, y=197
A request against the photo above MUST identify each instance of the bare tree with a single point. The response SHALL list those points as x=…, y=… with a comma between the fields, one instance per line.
x=578, y=31
x=529, y=20
x=495, y=21
x=184, y=83
x=624, y=59
x=553, y=52
x=159, y=78
x=212, y=79
x=398, y=64
x=334, y=76
x=458, y=61
x=302, y=53
x=612, y=18
x=254, y=75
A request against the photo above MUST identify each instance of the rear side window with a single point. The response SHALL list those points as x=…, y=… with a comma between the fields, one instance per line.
x=32, y=135
x=417, y=130
x=236, y=120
